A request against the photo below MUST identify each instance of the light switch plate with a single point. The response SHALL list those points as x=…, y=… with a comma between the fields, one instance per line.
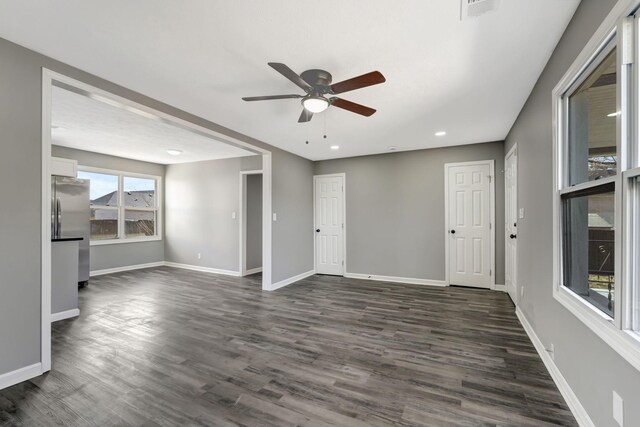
x=233, y=215
x=618, y=409
x=521, y=213
x=275, y=218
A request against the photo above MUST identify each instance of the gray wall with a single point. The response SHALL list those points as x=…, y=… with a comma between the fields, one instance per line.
x=592, y=369
x=121, y=254
x=20, y=166
x=253, y=213
x=293, y=204
x=200, y=200
x=395, y=209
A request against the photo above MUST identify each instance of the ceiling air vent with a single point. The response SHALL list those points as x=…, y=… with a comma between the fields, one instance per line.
x=475, y=8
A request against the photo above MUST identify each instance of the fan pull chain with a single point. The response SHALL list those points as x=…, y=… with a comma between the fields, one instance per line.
x=325, y=124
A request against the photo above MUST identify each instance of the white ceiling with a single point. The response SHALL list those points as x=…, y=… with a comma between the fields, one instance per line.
x=469, y=78
x=84, y=123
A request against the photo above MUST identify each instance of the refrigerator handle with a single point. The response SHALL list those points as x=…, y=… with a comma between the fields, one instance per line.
x=58, y=217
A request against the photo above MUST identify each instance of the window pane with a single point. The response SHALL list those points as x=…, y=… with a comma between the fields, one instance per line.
x=592, y=125
x=588, y=246
x=139, y=192
x=139, y=223
x=104, y=224
x=103, y=188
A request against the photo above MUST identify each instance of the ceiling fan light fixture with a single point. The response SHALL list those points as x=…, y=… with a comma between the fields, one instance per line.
x=315, y=103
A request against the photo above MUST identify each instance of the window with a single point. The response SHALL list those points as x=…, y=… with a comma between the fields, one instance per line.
x=124, y=207
x=596, y=221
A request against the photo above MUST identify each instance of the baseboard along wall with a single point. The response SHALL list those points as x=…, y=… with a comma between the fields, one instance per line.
x=581, y=415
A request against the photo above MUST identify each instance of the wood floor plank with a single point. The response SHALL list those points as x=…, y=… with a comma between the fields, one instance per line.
x=171, y=347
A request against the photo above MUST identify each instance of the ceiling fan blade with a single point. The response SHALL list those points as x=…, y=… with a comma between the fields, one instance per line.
x=369, y=79
x=305, y=116
x=352, y=106
x=291, y=75
x=267, y=98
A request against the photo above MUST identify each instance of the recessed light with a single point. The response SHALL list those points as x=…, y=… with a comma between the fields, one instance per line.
x=441, y=133
x=335, y=147
x=174, y=152
x=392, y=148
x=617, y=113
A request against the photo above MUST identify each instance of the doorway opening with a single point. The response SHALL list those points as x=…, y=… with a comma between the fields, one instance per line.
x=54, y=81
x=250, y=222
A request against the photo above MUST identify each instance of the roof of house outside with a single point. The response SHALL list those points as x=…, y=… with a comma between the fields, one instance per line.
x=132, y=199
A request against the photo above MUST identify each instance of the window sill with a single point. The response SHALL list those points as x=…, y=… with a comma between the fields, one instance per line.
x=626, y=343
x=123, y=241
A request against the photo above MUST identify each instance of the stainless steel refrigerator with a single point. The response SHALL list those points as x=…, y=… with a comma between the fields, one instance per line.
x=70, y=216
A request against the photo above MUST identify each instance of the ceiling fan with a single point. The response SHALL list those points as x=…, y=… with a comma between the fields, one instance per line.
x=318, y=88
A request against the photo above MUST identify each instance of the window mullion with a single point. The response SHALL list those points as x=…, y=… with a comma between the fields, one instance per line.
x=121, y=228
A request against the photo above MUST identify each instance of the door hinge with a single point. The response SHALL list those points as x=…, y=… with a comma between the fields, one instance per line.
x=342, y=262
x=490, y=272
x=490, y=226
x=490, y=177
x=343, y=225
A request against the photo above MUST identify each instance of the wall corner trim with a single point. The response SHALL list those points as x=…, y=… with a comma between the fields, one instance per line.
x=290, y=280
x=202, y=269
x=126, y=268
x=578, y=411
x=75, y=312
x=393, y=279
x=20, y=375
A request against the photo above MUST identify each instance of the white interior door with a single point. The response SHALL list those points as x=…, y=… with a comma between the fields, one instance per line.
x=329, y=224
x=469, y=201
x=511, y=223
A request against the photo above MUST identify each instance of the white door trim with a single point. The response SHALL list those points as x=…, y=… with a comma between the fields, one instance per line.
x=48, y=79
x=492, y=202
x=511, y=152
x=343, y=175
x=242, y=222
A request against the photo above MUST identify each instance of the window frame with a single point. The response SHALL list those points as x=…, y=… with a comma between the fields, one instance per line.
x=158, y=209
x=622, y=31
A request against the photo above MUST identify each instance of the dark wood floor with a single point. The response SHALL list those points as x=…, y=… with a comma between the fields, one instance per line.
x=174, y=347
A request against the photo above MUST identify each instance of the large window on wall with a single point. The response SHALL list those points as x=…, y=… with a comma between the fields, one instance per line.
x=125, y=207
x=597, y=188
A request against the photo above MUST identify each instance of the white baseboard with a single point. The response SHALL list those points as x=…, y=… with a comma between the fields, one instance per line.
x=126, y=268
x=392, y=279
x=581, y=415
x=65, y=314
x=202, y=269
x=290, y=280
x=500, y=288
x=19, y=375
x=253, y=271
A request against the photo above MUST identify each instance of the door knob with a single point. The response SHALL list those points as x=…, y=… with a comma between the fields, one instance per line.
x=452, y=231
x=512, y=236
x=317, y=230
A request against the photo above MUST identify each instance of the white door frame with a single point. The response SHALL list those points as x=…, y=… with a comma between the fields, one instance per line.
x=48, y=79
x=242, y=223
x=492, y=202
x=344, y=218
x=512, y=151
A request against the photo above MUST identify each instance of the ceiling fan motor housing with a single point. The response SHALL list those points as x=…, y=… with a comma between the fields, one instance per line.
x=319, y=80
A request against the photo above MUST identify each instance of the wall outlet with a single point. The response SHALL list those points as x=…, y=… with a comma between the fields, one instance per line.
x=521, y=213
x=233, y=215
x=618, y=409
x=199, y=255
x=275, y=217
x=521, y=292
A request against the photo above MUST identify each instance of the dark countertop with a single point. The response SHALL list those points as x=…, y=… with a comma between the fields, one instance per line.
x=67, y=239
